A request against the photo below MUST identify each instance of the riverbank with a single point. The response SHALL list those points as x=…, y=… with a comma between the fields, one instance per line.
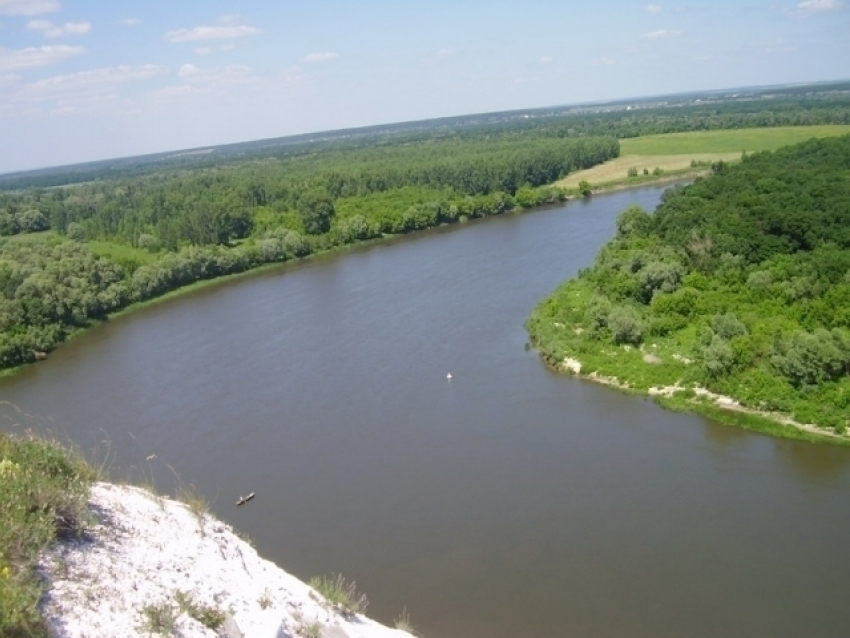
x=150, y=565
x=694, y=398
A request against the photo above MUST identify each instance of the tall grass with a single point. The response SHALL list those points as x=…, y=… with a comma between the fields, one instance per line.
x=43, y=494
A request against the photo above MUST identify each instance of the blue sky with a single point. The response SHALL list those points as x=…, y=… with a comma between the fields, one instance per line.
x=84, y=80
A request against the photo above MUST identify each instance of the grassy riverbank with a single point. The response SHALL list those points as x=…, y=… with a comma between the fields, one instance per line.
x=731, y=300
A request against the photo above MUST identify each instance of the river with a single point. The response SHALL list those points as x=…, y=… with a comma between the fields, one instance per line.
x=508, y=501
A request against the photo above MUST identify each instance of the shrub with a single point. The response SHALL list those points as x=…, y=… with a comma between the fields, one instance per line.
x=625, y=325
x=76, y=232
x=728, y=326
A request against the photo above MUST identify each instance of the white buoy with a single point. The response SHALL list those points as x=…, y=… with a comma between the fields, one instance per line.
x=449, y=376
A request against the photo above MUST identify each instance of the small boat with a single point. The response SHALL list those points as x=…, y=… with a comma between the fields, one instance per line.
x=244, y=499
x=449, y=376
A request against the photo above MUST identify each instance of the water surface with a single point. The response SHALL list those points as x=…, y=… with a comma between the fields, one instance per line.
x=507, y=502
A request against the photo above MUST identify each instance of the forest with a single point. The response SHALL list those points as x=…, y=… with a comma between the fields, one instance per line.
x=74, y=254
x=738, y=283
x=80, y=243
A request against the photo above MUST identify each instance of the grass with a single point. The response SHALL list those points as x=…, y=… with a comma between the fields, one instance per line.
x=340, y=594
x=403, y=622
x=727, y=141
x=674, y=152
x=43, y=496
x=208, y=616
x=158, y=619
x=121, y=253
x=616, y=170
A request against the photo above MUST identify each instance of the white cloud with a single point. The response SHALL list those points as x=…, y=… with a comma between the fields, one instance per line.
x=203, y=50
x=93, y=92
x=603, y=61
x=11, y=60
x=51, y=30
x=187, y=70
x=93, y=80
x=320, y=57
x=208, y=82
x=661, y=33
x=9, y=79
x=28, y=7
x=653, y=8
x=227, y=27
x=546, y=59
x=819, y=5
x=446, y=52
x=129, y=22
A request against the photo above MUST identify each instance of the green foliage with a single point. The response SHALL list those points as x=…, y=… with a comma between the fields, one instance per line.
x=727, y=326
x=717, y=356
x=633, y=222
x=741, y=281
x=43, y=492
x=158, y=619
x=625, y=325
x=340, y=594
x=210, y=617
x=812, y=358
x=316, y=210
x=76, y=232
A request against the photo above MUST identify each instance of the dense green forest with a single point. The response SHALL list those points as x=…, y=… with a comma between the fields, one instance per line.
x=74, y=254
x=738, y=283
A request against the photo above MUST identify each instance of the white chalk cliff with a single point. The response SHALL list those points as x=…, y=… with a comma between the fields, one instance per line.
x=144, y=549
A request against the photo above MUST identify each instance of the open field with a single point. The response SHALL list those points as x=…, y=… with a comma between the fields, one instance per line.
x=727, y=141
x=617, y=169
x=121, y=253
x=673, y=152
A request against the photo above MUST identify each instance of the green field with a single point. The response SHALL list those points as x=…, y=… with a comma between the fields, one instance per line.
x=672, y=153
x=727, y=141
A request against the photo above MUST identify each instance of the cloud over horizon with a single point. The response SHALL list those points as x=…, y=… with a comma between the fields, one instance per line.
x=28, y=7
x=51, y=30
x=12, y=60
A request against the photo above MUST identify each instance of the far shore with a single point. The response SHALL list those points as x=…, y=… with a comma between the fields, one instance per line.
x=617, y=185
x=725, y=410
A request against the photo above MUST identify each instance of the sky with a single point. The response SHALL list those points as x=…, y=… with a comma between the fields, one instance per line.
x=83, y=80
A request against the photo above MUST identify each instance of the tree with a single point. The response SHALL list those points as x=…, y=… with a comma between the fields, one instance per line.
x=316, y=210
x=584, y=188
x=76, y=232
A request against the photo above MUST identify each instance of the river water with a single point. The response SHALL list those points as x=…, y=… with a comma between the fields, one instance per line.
x=506, y=502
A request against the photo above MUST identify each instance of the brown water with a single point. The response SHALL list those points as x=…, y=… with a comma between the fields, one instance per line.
x=507, y=502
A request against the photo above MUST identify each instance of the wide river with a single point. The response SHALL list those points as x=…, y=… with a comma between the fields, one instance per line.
x=506, y=502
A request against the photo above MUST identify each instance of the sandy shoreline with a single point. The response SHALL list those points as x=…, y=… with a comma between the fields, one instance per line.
x=573, y=366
